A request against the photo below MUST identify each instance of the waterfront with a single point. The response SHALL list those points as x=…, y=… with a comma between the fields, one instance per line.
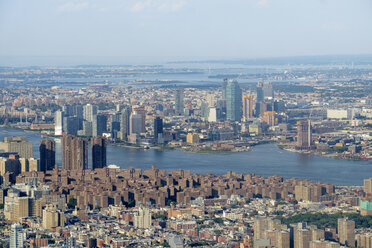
x=263, y=160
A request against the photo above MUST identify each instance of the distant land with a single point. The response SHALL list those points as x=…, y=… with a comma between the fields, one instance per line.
x=93, y=61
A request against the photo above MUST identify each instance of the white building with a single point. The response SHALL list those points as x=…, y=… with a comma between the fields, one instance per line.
x=212, y=117
x=89, y=111
x=58, y=123
x=339, y=114
x=142, y=218
x=16, y=236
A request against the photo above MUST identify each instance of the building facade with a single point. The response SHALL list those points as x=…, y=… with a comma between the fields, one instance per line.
x=47, y=149
x=233, y=101
x=98, y=145
x=74, y=153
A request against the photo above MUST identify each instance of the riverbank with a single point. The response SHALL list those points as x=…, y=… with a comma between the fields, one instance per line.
x=321, y=153
x=263, y=159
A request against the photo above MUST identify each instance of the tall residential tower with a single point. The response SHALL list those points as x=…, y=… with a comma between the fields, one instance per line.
x=98, y=152
x=47, y=150
x=74, y=153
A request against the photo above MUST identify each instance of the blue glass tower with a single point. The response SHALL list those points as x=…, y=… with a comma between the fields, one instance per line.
x=233, y=101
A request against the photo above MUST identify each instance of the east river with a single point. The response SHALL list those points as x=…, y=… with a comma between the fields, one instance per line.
x=265, y=160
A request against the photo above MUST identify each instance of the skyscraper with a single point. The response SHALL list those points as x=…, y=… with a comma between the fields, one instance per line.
x=89, y=111
x=16, y=236
x=99, y=125
x=58, y=123
x=224, y=85
x=114, y=124
x=179, y=104
x=158, y=128
x=125, y=122
x=70, y=125
x=47, y=150
x=233, y=101
x=247, y=107
x=74, y=153
x=211, y=101
x=98, y=145
x=260, y=93
x=304, y=137
x=346, y=232
x=267, y=89
x=137, y=121
x=87, y=128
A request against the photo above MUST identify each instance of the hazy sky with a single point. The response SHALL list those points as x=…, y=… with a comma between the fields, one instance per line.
x=185, y=28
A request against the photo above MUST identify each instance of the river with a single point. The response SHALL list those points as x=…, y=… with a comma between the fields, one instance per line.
x=264, y=160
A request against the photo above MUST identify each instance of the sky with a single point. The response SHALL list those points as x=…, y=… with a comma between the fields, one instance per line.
x=183, y=29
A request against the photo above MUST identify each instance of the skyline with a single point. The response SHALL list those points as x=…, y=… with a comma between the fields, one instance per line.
x=161, y=30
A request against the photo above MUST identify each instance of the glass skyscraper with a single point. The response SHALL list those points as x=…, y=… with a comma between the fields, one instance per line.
x=233, y=101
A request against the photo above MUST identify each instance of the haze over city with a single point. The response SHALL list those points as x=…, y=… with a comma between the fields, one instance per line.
x=153, y=31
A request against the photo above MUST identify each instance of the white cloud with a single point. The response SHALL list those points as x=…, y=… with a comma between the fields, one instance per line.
x=141, y=5
x=172, y=6
x=73, y=6
x=263, y=3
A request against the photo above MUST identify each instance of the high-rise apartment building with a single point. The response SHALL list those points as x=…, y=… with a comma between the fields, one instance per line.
x=137, y=121
x=364, y=240
x=74, y=153
x=47, y=150
x=247, y=107
x=17, y=206
x=16, y=236
x=346, y=231
x=52, y=217
x=368, y=186
x=269, y=117
x=211, y=101
x=98, y=145
x=213, y=114
x=259, y=93
x=19, y=145
x=58, y=123
x=70, y=125
x=87, y=128
x=29, y=164
x=158, y=128
x=267, y=89
x=142, y=218
x=224, y=85
x=304, y=135
x=179, y=104
x=89, y=111
x=11, y=164
x=302, y=238
x=125, y=123
x=114, y=125
x=99, y=125
x=233, y=101
x=283, y=239
x=261, y=224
